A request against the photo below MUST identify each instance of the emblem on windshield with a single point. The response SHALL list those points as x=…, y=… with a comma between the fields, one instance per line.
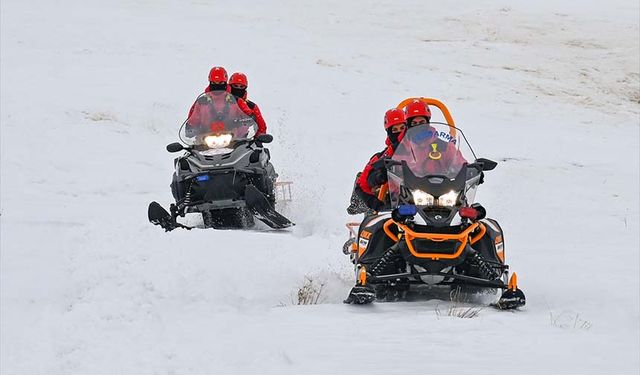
x=435, y=154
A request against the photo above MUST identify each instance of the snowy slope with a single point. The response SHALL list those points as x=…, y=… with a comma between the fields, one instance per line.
x=92, y=91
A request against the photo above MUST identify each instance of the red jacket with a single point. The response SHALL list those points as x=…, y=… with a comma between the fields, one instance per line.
x=254, y=111
x=257, y=116
x=214, y=107
x=363, y=181
x=206, y=89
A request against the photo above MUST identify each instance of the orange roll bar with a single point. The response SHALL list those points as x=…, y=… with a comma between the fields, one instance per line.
x=436, y=103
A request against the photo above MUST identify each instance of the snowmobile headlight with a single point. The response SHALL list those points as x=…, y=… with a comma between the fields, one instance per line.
x=448, y=200
x=420, y=198
x=218, y=141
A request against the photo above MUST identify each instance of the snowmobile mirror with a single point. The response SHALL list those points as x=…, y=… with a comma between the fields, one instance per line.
x=487, y=165
x=483, y=164
x=175, y=147
x=264, y=138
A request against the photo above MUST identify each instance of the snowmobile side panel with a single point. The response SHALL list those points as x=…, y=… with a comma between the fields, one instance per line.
x=491, y=245
x=372, y=241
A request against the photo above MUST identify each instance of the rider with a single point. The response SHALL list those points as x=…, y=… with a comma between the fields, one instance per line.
x=374, y=174
x=417, y=113
x=215, y=104
x=441, y=153
x=217, y=79
x=238, y=87
x=217, y=82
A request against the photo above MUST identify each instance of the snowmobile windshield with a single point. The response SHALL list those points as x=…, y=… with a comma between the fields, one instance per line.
x=434, y=149
x=218, y=118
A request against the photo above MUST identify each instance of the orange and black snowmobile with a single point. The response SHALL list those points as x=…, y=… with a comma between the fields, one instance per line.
x=432, y=233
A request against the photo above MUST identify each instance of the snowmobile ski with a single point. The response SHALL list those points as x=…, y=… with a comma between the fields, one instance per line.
x=263, y=210
x=361, y=295
x=511, y=299
x=159, y=216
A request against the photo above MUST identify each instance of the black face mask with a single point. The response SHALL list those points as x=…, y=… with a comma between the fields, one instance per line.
x=238, y=92
x=218, y=87
x=393, y=137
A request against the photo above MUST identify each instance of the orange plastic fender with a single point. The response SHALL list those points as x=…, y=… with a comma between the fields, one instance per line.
x=513, y=282
x=362, y=275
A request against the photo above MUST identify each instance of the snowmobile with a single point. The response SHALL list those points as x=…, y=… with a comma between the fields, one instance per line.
x=225, y=173
x=432, y=234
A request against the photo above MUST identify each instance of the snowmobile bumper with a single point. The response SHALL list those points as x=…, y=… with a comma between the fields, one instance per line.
x=216, y=205
x=459, y=241
x=468, y=280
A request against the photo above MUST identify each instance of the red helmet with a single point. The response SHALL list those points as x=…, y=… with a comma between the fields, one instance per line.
x=393, y=116
x=218, y=74
x=417, y=108
x=239, y=79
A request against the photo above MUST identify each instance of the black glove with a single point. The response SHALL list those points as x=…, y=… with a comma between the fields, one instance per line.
x=377, y=177
x=369, y=200
x=374, y=203
x=377, y=204
x=379, y=164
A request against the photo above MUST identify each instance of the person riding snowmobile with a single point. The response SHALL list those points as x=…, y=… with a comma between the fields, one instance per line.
x=210, y=108
x=374, y=174
x=417, y=113
x=239, y=83
x=218, y=100
x=217, y=82
x=217, y=79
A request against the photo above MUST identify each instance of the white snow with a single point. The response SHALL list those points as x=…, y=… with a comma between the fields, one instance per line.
x=92, y=91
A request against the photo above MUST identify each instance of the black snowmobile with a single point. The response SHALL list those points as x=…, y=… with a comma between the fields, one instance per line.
x=225, y=173
x=433, y=234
